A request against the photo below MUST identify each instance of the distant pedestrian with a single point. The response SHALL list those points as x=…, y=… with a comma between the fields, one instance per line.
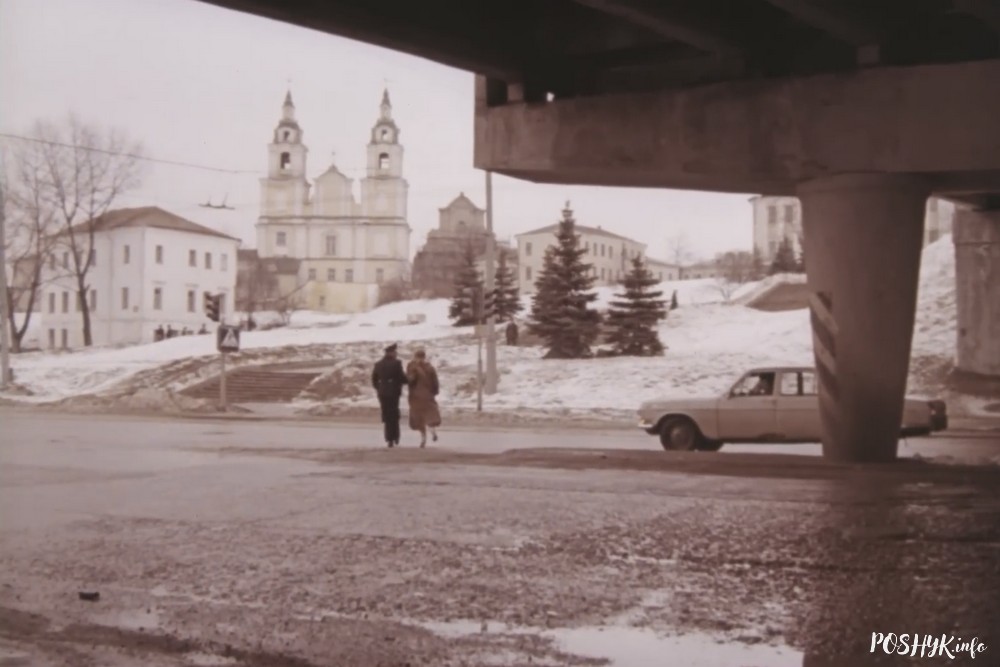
x=512, y=333
x=388, y=379
x=203, y=330
x=158, y=334
x=170, y=331
x=424, y=387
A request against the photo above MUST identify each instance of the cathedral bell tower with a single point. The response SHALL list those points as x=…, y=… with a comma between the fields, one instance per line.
x=384, y=190
x=385, y=154
x=287, y=153
x=284, y=193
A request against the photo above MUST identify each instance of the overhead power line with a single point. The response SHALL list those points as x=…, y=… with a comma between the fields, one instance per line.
x=134, y=156
x=354, y=168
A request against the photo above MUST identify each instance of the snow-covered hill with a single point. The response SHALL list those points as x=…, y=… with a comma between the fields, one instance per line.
x=709, y=343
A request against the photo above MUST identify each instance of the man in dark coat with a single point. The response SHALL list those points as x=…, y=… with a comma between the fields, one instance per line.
x=512, y=333
x=388, y=379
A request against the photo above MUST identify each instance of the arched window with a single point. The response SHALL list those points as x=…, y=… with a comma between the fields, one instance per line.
x=286, y=160
x=383, y=161
x=285, y=135
x=385, y=134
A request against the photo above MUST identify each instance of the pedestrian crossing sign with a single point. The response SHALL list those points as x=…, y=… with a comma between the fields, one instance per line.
x=228, y=338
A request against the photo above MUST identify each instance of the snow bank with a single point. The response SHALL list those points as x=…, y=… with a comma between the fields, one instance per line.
x=936, y=324
x=52, y=376
x=689, y=292
x=709, y=345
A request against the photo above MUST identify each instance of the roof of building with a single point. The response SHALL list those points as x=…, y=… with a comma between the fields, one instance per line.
x=461, y=198
x=660, y=262
x=148, y=216
x=580, y=229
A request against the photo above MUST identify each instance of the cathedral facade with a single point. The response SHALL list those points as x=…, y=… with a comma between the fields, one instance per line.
x=346, y=248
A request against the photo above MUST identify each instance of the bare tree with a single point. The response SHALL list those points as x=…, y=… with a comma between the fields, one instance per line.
x=679, y=252
x=255, y=287
x=395, y=290
x=286, y=305
x=85, y=171
x=29, y=235
x=735, y=268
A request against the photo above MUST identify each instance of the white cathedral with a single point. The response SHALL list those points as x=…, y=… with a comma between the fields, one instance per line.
x=345, y=249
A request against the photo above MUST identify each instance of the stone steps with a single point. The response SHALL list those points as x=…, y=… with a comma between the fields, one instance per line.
x=254, y=386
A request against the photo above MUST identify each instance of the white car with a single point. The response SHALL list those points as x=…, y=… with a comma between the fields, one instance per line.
x=766, y=405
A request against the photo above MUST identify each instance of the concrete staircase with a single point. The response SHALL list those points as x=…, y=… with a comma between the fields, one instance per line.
x=783, y=291
x=781, y=297
x=254, y=386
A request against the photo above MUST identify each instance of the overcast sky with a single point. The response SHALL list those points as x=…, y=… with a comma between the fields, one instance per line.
x=204, y=85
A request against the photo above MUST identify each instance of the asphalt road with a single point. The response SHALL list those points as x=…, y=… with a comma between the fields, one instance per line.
x=264, y=543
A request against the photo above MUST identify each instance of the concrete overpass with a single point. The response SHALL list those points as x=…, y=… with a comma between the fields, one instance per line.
x=861, y=108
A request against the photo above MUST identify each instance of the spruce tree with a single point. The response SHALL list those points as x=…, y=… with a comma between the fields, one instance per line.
x=634, y=316
x=560, y=315
x=784, y=258
x=673, y=301
x=466, y=280
x=801, y=264
x=508, y=298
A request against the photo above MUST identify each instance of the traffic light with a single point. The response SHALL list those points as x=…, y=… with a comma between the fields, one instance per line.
x=212, y=303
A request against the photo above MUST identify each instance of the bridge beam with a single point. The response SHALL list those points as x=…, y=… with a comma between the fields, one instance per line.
x=758, y=136
x=863, y=235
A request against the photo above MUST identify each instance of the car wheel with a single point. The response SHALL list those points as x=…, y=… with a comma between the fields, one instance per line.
x=710, y=446
x=680, y=435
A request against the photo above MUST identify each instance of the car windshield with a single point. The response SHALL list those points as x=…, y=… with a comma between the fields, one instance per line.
x=754, y=384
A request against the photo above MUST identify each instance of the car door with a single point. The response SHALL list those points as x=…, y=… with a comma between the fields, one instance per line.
x=797, y=411
x=746, y=414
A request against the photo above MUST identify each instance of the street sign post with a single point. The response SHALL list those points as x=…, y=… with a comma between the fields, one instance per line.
x=227, y=339
x=477, y=314
x=492, y=376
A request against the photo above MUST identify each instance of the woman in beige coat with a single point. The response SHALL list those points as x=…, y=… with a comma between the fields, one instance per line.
x=423, y=382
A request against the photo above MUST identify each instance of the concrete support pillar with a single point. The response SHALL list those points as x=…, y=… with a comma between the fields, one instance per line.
x=863, y=238
x=977, y=284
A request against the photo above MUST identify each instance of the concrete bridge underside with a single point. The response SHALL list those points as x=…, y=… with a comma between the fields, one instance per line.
x=862, y=109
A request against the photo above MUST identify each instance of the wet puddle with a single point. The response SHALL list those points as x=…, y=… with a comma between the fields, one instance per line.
x=624, y=646
x=207, y=660
x=142, y=620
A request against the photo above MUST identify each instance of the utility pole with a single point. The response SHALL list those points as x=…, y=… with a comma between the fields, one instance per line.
x=491, y=326
x=4, y=306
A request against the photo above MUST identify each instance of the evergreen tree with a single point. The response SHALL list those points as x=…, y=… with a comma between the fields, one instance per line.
x=508, y=298
x=559, y=311
x=634, y=316
x=466, y=280
x=801, y=264
x=673, y=301
x=784, y=259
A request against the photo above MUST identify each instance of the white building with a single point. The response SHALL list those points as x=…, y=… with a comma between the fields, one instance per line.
x=347, y=248
x=664, y=271
x=777, y=218
x=607, y=252
x=148, y=268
